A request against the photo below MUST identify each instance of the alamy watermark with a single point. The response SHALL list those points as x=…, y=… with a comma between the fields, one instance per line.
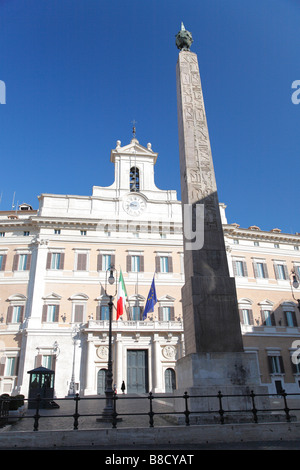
x=2, y=92
x=296, y=94
x=195, y=237
x=296, y=353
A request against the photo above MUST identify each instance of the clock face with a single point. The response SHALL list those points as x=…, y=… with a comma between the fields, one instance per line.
x=134, y=205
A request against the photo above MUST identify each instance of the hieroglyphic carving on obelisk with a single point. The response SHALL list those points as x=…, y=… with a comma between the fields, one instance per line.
x=210, y=311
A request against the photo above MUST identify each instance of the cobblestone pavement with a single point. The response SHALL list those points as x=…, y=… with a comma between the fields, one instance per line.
x=130, y=409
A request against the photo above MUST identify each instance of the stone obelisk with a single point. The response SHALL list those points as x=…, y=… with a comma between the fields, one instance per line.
x=213, y=340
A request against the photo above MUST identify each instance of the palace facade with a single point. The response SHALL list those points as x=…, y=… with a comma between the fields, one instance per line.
x=54, y=292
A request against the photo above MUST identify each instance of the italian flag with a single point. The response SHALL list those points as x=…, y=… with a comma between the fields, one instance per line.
x=122, y=295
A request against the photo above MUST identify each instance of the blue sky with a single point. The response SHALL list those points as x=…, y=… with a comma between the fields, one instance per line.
x=77, y=72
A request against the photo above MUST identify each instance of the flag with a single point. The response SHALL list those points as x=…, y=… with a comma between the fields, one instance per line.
x=122, y=295
x=151, y=300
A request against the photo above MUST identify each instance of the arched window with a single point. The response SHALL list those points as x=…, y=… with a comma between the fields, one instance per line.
x=134, y=179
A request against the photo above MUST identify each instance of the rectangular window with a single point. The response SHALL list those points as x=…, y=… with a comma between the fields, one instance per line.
x=16, y=316
x=166, y=313
x=290, y=319
x=281, y=271
x=55, y=261
x=106, y=262
x=1, y=262
x=164, y=264
x=135, y=264
x=246, y=316
x=240, y=267
x=267, y=317
x=260, y=270
x=104, y=315
x=10, y=366
x=57, y=232
x=2, y=234
x=47, y=362
x=136, y=313
x=276, y=364
x=26, y=234
x=51, y=311
x=22, y=263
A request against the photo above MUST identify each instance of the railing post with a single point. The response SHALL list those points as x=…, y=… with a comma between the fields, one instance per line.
x=115, y=414
x=221, y=411
x=151, y=413
x=254, y=410
x=186, y=412
x=37, y=415
x=286, y=408
x=76, y=414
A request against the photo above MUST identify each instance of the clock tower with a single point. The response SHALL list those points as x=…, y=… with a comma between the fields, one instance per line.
x=134, y=192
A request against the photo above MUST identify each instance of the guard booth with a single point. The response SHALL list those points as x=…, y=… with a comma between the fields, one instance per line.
x=41, y=383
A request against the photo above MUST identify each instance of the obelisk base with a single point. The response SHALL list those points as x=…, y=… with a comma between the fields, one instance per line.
x=204, y=375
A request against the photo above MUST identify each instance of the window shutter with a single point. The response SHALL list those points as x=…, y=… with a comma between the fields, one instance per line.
x=172, y=314
x=270, y=364
x=160, y=313
x=294, y=319
x=245, y=270
x=113, y=260
x=2, y=367
x=9, y=314
x=48, y=264
x=38, y=360
x=28, y=262
x=170, y=261
x=3, y=263
x=281, y=364
x=16, y=366
x=276, y=271
x=78, y=314
x=263, y=321
x=241, y=315
x=62, y=261
x=44, y=313
x=15, y=263
x=255, y=269
x=56, y=316
x=265, y=269
x=53, y=362
x=294, y=367
x=273, y=319
x=234, y=268
x=128, y=263
x=141, y=264
x=22, y=314
x=286, y=274
x=251, y=317
x=99, y=262
x=157, y=264
x=98, y=312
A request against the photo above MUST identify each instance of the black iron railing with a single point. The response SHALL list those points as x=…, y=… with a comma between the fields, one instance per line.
x=220, y=413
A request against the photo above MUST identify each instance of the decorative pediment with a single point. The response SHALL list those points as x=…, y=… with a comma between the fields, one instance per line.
x=52, y=296
x=133, y=149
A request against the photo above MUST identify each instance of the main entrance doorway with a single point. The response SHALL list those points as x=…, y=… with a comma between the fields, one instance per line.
x=137, y=371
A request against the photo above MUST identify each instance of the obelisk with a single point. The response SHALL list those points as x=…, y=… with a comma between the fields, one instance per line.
x=213, y=340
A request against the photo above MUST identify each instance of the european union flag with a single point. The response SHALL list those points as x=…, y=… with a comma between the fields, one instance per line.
x=151, y=300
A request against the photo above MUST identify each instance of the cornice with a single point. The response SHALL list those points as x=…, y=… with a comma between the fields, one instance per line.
x=234, y=230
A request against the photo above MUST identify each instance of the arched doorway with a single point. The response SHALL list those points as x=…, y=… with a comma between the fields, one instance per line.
x=170, y=380
x=101, y=381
